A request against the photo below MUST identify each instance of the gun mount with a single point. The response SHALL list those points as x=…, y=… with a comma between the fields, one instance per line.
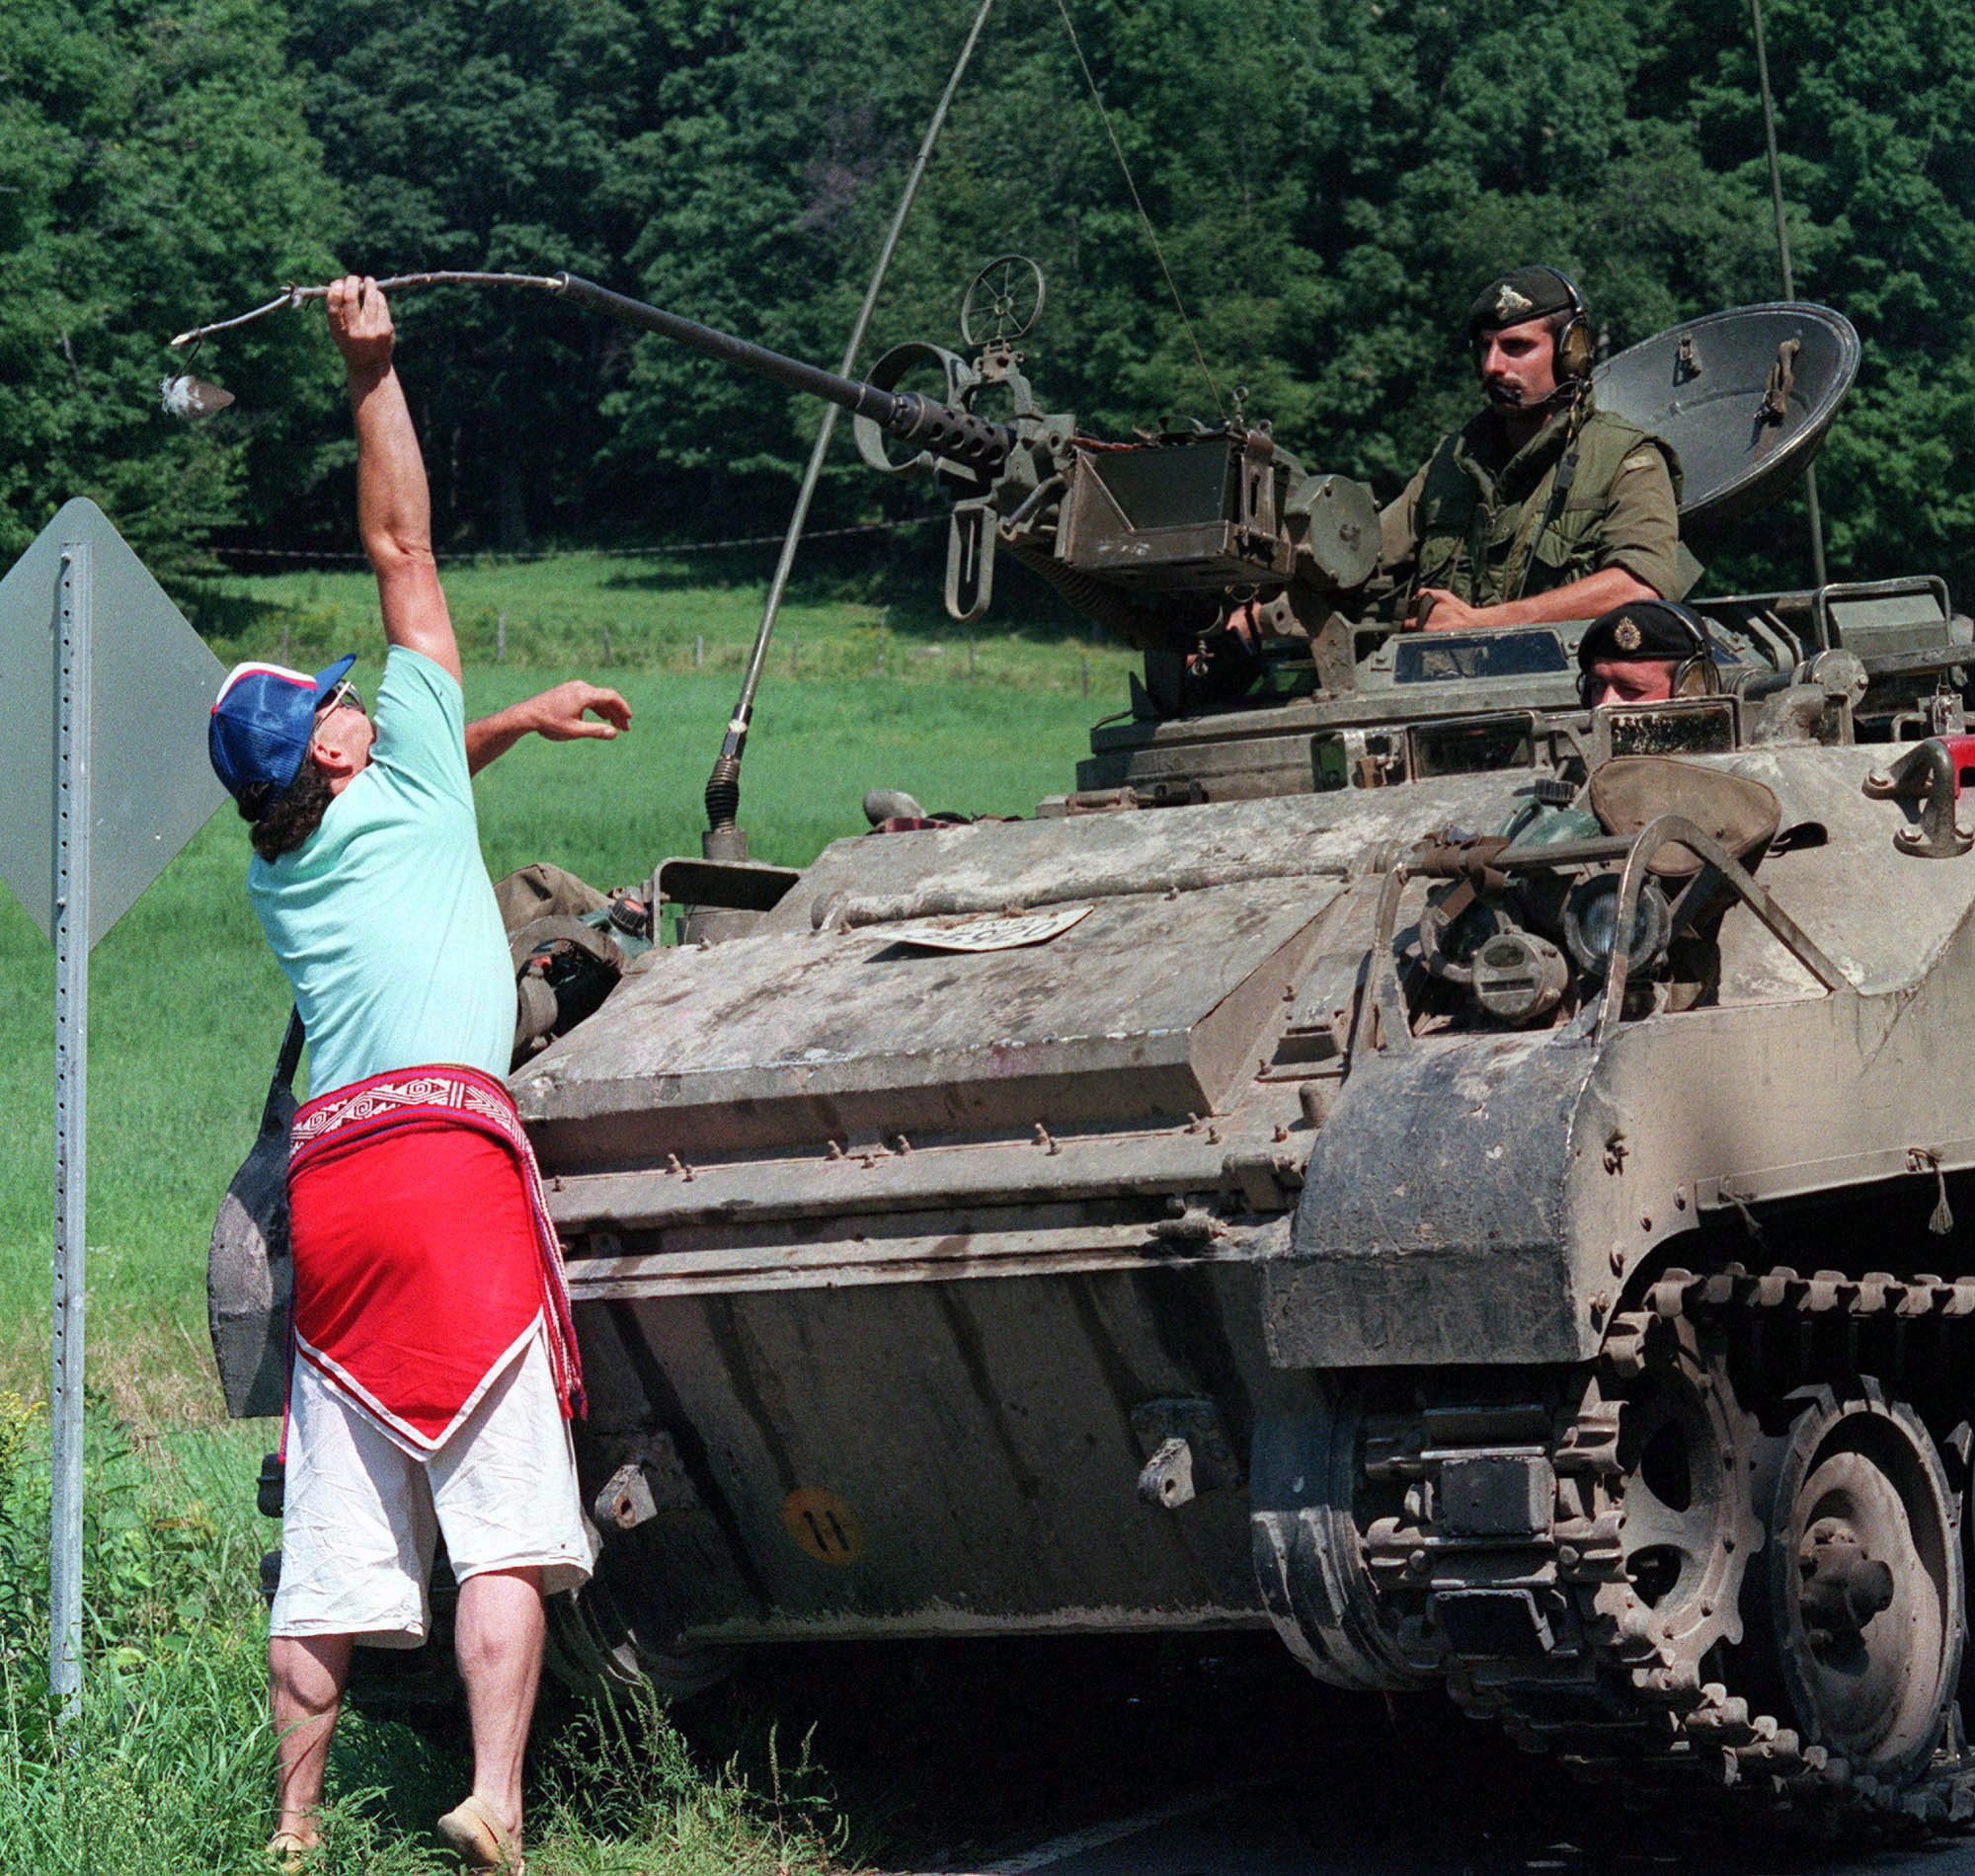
x=1148, y=536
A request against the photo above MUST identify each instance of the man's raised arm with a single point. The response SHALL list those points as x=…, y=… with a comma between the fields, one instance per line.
x=393, y=501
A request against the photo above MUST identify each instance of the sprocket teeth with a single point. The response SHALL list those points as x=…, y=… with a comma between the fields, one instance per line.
x=1675, y=1687
x=1625, y=1346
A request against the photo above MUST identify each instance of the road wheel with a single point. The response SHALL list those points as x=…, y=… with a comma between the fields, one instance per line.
x=1865, y=1580
x=595, y=1651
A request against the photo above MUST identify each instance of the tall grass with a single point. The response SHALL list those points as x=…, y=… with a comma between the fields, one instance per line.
x=165, y=1763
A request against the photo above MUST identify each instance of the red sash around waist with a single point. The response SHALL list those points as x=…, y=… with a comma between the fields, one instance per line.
x=425, y=1255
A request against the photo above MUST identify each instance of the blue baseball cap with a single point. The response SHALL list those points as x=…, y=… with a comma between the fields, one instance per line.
x=260, y=723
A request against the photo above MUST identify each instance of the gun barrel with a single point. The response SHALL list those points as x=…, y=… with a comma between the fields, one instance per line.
x=945, y=430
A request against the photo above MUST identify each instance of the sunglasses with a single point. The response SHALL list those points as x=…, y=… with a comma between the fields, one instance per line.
x=344, y=693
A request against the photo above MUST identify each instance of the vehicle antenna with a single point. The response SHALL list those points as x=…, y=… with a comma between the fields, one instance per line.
x=1151, y=234
x=296, y=296
x=1784, y=254
x=725, y=839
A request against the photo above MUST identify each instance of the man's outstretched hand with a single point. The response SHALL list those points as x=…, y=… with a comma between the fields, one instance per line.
x=560, y=714
x=563, y=713
x=360, y=322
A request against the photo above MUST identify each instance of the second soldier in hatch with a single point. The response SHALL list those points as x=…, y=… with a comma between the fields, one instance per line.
x=1542, y=507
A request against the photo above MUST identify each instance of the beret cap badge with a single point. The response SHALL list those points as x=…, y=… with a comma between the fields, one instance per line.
x=1626, y=634
x=1508, y=302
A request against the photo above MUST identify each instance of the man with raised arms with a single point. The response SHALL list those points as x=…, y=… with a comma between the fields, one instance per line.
x=434, y=1368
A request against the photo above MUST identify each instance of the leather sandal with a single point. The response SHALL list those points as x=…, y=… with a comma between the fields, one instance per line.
x=290, y=1854
x=480, y=1839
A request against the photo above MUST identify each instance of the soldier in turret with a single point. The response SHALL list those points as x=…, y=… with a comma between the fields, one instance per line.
x=1542, y=506
x=1647, y=652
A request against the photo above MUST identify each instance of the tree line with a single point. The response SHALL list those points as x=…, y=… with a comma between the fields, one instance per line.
x=1330, y=183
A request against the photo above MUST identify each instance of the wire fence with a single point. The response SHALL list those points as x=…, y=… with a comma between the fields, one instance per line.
x=860, y=656
x=878, y=654
x=660, y=551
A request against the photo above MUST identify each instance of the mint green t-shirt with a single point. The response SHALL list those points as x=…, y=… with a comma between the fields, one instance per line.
x=383, y=920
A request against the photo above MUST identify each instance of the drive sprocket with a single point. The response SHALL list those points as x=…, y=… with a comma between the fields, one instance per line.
x=1680, y=1487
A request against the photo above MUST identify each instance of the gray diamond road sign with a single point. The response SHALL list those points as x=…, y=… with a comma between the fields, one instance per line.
x=104, y=699
x=151, y=683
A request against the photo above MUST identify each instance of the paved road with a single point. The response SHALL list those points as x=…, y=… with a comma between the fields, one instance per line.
x=1327, y=1830
x=1213, y=1757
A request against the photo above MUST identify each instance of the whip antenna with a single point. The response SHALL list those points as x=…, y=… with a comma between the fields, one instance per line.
x=184, y=395
x=1151, y=234
x=295, y=295
x=1784, y=255
x=723, y=839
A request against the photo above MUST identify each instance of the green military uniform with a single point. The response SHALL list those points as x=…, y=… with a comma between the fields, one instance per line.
x=1487, y=527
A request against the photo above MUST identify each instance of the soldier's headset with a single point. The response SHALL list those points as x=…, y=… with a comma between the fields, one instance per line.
x=1697, y=674
x=1572, y=347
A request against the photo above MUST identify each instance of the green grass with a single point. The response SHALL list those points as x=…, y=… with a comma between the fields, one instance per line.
x=166, y=1767
x=579, y=610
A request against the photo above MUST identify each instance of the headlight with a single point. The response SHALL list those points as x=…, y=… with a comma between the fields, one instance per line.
x=1590, y=922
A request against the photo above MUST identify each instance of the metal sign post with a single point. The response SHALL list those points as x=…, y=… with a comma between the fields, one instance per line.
x=71, y=935
x=103, y=779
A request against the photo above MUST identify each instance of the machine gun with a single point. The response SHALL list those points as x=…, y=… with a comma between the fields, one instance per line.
x=1152, y=538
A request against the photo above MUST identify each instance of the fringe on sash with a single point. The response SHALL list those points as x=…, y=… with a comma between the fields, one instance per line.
x=466, y=1097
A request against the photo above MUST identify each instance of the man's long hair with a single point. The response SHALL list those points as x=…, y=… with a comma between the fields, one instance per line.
x=283, y=822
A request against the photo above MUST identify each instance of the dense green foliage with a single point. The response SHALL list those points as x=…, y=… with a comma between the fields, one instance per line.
x=155, y=168
x=1330, y=183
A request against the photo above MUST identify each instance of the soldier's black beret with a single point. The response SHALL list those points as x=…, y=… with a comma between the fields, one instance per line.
x=1529, y=292
x=1645, y=628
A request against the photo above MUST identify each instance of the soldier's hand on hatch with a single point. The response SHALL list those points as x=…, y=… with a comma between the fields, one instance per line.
x=360, y=322
x=561, y=714
x=1443, y=612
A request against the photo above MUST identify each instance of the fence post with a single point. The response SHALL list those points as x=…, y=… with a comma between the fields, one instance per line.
x=698, y=648
x=606, y=645
x=501, y=637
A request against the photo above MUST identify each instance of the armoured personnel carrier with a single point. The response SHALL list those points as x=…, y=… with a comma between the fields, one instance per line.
x=1391, y=1155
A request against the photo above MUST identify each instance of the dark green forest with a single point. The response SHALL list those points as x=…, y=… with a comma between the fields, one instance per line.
x=1330, y=180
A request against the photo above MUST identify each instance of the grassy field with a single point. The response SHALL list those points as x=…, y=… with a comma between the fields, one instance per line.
x=166, y=1769
x=584, y=612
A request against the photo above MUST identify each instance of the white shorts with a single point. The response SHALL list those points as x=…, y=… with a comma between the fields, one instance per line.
x=361, y=1513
